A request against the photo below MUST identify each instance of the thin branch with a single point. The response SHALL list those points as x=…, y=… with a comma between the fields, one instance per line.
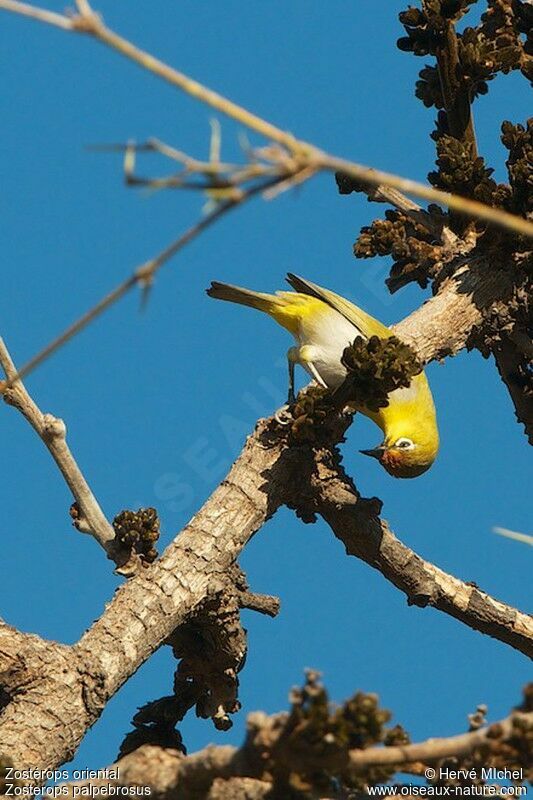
x=142, y=276
x=435, y=749
x=516, y=535
x=262, y=603
x=464, y=205
x=329, y=492
x=311, y=157
x=39, y=14
x=52, y=432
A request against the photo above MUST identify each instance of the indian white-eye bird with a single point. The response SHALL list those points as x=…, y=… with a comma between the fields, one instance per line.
x=324, y=324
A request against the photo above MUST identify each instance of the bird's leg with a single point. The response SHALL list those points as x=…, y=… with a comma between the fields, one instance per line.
x=281, y=415
x=306, y=357
x=292, y=359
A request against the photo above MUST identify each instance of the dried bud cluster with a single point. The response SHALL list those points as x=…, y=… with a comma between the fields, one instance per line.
x=375, y=368
x=502, y=42
x=309, y=413
x=465, y=63
x=461, y=173
x=413, y=248
x=428, y=87
x=518, y=139
x=317, y=738
x=426, y=27
x=138, y=531
x=212, y=651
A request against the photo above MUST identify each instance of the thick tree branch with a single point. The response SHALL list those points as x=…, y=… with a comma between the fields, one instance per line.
x=443, y=325
x=14, y=648
x=78, y=681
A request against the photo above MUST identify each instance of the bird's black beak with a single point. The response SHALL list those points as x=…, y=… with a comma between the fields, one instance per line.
x=377, y=452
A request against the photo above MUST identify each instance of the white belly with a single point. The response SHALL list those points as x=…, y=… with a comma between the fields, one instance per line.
x=325, y=337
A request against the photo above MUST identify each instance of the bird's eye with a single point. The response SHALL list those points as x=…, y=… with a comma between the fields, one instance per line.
x=404, y=444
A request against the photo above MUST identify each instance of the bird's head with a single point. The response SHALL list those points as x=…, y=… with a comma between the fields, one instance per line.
x=407, y=455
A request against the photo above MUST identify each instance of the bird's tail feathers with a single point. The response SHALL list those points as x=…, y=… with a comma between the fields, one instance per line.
x=245, y=297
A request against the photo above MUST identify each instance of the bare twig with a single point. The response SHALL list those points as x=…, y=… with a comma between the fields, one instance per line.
x=310, y=156
x=464, y=205
x=435, y=749
x=217, y=178
x=262, y=603
x=52, y=431
x=516, y=535
x=39, y=14
x=142, y=276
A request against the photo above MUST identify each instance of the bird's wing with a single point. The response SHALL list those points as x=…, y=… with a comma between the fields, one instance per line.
x=367, y=325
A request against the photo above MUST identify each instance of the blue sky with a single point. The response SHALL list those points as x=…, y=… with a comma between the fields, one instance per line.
x=147, y=396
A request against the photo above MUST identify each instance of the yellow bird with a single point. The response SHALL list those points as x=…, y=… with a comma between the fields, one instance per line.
x=323, y=324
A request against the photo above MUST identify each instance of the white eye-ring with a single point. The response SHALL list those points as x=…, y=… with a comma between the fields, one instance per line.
x=405, y=444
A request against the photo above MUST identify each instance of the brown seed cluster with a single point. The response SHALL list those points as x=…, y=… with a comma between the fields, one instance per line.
x=464, y=64
x=320, y=734
x=415, y=253
x=310, y=413
x=376, y=367
x=138, y=531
